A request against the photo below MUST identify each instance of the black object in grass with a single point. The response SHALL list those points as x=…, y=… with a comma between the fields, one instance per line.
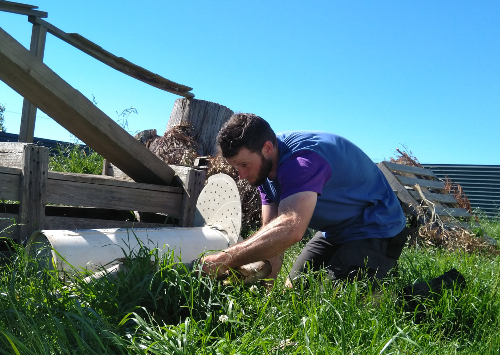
x=414, y=296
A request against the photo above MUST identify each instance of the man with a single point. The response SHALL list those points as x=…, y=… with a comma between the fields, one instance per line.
x=317, y=180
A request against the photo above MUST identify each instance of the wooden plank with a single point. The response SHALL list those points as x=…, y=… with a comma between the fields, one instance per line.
x=193, y=181
x=118, y=63
x=21, y=9
x=41, y=86
x=439, y=185
x=441, y=198
x=9, y=186
x=74, y=193
x=37, y=47
x=72, y=223
x=111, y=181
x=403, y=195
x=32, y=190
x=11, y=154
x=452, y=212
x=409, y=169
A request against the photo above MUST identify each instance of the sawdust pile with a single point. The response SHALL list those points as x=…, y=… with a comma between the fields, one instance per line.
x=434, y=232
x=177, y=147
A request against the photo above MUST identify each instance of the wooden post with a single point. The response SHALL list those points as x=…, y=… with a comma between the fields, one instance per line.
x=32, y=190
x=37, y=47
x=206, y=118
x=193, y=181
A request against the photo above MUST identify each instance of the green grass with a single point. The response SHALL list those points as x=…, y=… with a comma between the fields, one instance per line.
x=165, y=308
x=72, y=158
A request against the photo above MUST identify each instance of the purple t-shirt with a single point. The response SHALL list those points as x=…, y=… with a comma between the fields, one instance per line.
x=303, y=171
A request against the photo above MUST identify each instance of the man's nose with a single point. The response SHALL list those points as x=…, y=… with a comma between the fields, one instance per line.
x=243, y=174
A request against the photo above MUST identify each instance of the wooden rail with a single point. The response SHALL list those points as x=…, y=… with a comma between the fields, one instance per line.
x=24, y=177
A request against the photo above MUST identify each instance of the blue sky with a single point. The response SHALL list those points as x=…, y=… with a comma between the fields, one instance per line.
x=424, y=74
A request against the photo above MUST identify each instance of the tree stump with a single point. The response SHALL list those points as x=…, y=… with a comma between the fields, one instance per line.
x=205, y=117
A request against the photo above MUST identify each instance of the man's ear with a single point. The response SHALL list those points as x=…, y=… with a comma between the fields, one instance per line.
x=267, y=148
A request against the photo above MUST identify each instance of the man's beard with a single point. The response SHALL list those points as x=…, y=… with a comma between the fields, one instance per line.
x=264, y=171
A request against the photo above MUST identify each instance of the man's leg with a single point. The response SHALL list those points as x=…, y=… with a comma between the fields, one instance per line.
x=315, y=256
x=371, y=258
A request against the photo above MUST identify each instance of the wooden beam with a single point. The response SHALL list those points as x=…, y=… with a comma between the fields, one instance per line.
x=403, y=195
x=75, y=193
x=37, y=47
x=452, y=212
x=32, y=79
x=439, y=185
x=21, y=9
x=32, y=190
x=118, y=63
x=409, y=169
x=441, y=198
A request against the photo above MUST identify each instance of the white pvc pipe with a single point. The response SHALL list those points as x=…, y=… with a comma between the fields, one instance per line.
x=91, y=249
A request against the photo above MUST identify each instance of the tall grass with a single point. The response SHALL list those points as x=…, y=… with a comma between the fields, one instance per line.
x=164, y=307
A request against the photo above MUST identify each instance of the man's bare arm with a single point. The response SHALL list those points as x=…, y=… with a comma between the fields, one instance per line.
x=280, y=233
x=269, y=212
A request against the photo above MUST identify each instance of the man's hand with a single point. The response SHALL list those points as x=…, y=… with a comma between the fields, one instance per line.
x=213, y=266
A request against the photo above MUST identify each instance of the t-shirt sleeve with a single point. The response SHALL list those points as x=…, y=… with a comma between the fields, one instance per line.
x=303, y=171
x=264, y=197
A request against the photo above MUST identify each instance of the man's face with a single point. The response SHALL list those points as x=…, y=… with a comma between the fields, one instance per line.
x=253, y=167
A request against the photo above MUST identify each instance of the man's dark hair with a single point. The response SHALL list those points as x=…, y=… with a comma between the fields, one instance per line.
x=244, y=130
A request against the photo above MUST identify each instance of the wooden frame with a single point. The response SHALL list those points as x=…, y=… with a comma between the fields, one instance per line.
x=24, y=177
x=422, y=194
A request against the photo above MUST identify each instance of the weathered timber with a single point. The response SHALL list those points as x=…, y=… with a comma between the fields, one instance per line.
x=411, y=181
x=190, y=181
x=111, y=181
x=32, y=190
x=37, y=47
x=409, y=169
x=205, y=117
x=404, y=196
x=32, y=79
x=68, y=192
x=193, y=181
x=21, y=9
x=10, y=178
x=118, y=63
x=11, y=154
x=451, y=212
x=145, y=135
x=441, y=198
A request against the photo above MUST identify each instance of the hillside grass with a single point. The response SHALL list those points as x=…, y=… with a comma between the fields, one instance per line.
x=168, y=309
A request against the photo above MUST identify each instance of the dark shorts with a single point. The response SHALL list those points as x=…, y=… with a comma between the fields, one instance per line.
x=372, y=258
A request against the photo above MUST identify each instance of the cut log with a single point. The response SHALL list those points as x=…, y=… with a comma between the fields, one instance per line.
x=32, y=79
x=205, y=117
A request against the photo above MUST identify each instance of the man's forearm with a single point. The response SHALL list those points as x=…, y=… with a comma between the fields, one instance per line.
x=272, y=239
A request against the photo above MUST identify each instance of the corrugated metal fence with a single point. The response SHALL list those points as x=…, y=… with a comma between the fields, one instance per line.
x=481, y=184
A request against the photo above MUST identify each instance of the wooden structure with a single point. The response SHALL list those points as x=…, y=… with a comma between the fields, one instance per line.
x=45, y=89
x=46, y=198
x=37, y=47
x=205, y=117
x=422, y=194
